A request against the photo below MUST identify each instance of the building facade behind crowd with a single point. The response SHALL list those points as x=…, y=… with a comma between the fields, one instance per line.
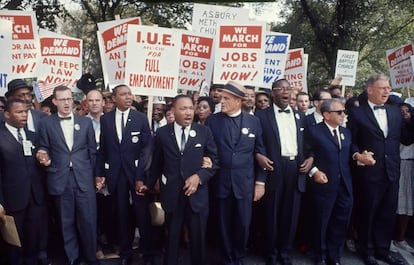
x=256, y=146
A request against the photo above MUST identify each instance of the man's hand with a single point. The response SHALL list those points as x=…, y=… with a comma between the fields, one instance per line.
x=43, y=157
x=320, y=177
x=99, y=183
x=191, y=184
x=2, y=215
x=366, y=158
x=306, y=165
x=259, y=191
x=140, y=188
x=207, y=163
x=264, y=162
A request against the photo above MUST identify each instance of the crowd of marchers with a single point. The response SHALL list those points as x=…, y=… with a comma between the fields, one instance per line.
x=243, y=167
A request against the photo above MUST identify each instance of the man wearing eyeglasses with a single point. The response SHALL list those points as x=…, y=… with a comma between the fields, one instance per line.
x=376, y=134
x=331, y=188
x=283, y=136
x=68, y=151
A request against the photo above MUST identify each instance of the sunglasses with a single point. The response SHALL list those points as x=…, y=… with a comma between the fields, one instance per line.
x=339, y=112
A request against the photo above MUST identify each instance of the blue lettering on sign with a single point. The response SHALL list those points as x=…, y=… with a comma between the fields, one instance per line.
x=276, y=44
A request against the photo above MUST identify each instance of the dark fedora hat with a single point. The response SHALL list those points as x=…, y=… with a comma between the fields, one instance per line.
x=86, y=82
x=234, y=89
x=16, y=84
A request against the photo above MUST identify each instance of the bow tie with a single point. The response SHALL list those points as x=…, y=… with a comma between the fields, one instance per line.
x=284, y=110
x=379, y=107
x=65, y=118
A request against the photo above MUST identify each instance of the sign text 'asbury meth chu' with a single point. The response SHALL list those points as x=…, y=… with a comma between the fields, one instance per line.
x=22, y=27
x=241, y=37
x=209, y=18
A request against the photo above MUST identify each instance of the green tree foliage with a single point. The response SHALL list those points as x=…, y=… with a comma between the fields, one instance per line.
x=369, y=27
x=47, y=11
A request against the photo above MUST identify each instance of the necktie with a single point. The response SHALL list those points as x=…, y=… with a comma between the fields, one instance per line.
x=65, y=118
x=19, y=136
x=335, y=136
x=284, y=110
x=182, y=146
x=379, y=107
x=122, y=123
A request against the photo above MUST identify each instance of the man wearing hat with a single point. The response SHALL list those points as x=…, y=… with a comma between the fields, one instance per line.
x=158, y=119
x=17, y=88
x=238, y=136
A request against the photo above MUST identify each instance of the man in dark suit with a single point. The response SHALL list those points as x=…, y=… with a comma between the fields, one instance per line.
x=123, y=158
x=18, y=89
x=22, y=182
x=331, y=188
x=68, y=150
x=283, y=136
x=376, y=130
x=178, y=164
x=238, y=138
x=318, y=98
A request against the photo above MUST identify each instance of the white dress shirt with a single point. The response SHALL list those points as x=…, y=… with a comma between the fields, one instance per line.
x=67, y=128
x=13, y=131
x=381, y=117
x=118, y=117
x=178, y=132
x=287, y=131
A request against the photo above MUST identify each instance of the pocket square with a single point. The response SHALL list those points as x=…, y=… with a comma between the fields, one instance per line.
x=252, y=135
x=302, y=129
x=197, y=145
x=135, y=133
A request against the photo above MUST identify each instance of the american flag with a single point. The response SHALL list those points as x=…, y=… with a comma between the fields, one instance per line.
x=43, y=90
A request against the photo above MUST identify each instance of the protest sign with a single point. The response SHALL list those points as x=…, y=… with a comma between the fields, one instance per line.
x=400, y=67
x=61, y=62
x=239, y=53
x=25, y=43
x=277, y=46
x=112, y=38
x=5, y=54
x=196, y=63
x=152, y=64
x=295, y=70
x=206, y=18
x=346, y=67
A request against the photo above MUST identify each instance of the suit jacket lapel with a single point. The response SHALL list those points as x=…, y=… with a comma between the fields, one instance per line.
x=8, y=136
x=113, y=125
x=272, y=120
x=59, y=130
x=76, y=131
x=370, y=114
x=171, y=132
x=127, y=125
x=328, y=134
